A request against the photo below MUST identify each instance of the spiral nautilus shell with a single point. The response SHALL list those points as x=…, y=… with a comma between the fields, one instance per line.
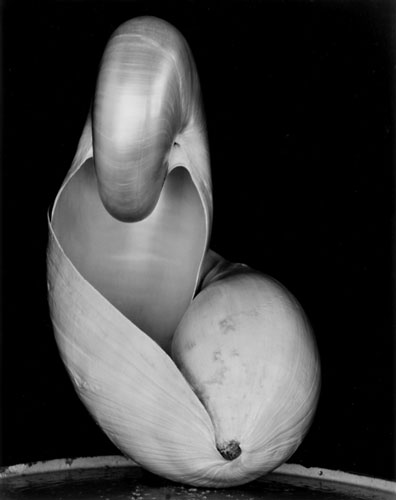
x=202, y=371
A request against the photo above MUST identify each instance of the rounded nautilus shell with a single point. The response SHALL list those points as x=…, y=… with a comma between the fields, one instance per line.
x=202, y=371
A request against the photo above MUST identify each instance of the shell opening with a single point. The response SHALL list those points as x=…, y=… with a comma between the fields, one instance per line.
x=145, y=269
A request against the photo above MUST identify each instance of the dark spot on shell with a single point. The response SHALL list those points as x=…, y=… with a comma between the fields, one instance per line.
x=217, y=356
x=230, y=450
x=190, y=345
x=227, y=324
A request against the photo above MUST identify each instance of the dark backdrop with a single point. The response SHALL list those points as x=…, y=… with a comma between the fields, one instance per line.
x=299, y=104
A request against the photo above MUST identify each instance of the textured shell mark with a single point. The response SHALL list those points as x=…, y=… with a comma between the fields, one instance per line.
x=252, y=312
x=230, y=322
x=83, y=385
x=218, y=377
x=189, y=344
x=220, y=372
x=217, y=355
x=227, y=324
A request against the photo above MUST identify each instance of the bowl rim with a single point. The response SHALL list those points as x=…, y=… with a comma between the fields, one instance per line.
x=293, y=474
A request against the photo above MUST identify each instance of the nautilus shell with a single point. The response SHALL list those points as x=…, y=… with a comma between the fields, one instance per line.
x=203, y=371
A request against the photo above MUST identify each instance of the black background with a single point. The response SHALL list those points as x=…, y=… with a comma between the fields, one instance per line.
x=299, y=105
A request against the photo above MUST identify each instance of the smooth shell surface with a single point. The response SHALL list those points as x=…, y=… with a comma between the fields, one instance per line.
x=248, y=351
x=147, y=96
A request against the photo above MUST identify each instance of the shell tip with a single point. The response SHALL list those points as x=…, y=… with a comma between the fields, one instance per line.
x=230, y=450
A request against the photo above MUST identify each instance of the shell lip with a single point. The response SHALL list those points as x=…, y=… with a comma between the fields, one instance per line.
x=200, y=180
x=53, y=235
